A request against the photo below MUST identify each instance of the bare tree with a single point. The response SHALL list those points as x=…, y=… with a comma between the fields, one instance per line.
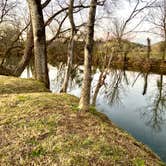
x=16, y=70
x=86, y=86
x=121, y=28
x=157, y=17
x=12, y=40
x=6, y=7
x=37, y=20
x=56, y=15
x=70, y=48
x=119, y=31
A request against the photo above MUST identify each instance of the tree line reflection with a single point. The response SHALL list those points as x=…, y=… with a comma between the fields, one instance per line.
x=114, y=86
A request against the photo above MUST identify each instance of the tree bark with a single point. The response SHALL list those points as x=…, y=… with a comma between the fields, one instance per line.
x=164, y=52
x=70, y=49
x=6, y=71
x=40, y=54
x=84, y=103
x=27, y=54
x=149, y=48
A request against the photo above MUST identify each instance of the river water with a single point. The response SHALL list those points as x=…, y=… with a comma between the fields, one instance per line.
x=134, y=101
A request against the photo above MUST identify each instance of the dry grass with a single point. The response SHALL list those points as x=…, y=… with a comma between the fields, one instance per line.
x=19, y=85
x=47, y=129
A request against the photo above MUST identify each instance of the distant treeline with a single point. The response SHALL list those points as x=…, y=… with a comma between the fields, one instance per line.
x=57, y=51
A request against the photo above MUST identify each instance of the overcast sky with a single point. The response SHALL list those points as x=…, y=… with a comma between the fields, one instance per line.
x=121, y=11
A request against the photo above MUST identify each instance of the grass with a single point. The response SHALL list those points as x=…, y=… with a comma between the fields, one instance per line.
x=47, y=129
x=10, y=85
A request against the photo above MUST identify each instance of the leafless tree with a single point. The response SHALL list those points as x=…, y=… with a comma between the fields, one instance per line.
x=39, y=37
x=121, y=28
x=157, y=17
x=6, y=7
x=86, y=86
x=70, y=47
x=58, y=29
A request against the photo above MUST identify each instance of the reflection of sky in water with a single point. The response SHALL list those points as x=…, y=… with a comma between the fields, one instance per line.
x=133, y=111
x=130, y=114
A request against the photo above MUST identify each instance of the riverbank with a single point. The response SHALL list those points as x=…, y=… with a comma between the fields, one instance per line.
x=40, y=128
x=156, y=66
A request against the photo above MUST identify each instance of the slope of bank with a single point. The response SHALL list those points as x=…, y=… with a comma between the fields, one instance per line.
x=40, y=128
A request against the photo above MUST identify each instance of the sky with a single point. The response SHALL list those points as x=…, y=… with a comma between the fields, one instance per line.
x=121, y=11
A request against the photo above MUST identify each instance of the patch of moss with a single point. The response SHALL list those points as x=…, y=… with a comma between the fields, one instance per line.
x=138, y=162
x=38, y=152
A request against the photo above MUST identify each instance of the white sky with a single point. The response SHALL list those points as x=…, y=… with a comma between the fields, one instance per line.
x=122, y=11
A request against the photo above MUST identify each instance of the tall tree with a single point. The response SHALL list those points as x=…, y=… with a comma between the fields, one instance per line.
x=70, y=48
x=40, y=53
x=86, y=87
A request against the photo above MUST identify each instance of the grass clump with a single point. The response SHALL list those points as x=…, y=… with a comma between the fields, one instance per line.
x=138, y=162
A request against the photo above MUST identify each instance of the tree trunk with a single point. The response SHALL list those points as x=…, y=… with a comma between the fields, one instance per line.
x=5, y=71
x=164, y=53
x=40, y=54
x=86, y=87
x=149, y=48
x=27, y=54
x=70, y=49
x=24, y=61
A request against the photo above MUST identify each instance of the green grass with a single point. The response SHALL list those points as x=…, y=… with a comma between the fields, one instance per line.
x=47, y=129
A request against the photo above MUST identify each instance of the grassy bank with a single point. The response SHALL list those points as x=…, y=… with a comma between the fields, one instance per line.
x=10, y=85
x=40, y=128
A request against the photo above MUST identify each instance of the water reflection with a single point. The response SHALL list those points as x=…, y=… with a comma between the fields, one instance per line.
x=57, y=74
x=154, y=114
x=145, y=75
x=115, y=87
x=141, y=110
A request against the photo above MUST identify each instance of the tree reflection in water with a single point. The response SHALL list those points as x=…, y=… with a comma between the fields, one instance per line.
x=134, y=101
x=154, y=113
x=114, y=86
x=75, y=78
x=145, y=83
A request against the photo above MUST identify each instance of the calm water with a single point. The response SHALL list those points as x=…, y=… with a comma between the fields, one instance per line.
x=134, y=101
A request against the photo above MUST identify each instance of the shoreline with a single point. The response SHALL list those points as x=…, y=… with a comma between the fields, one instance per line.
x=38, y=127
